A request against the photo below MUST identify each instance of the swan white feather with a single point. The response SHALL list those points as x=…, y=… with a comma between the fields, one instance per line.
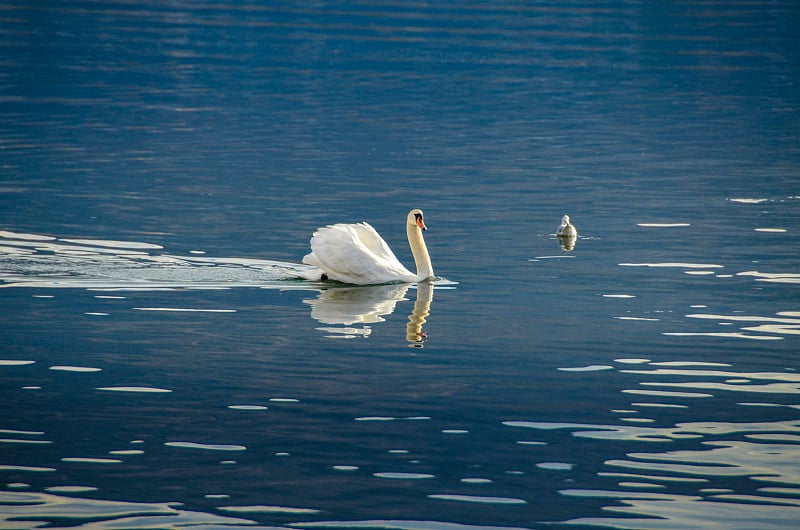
x=357, y=254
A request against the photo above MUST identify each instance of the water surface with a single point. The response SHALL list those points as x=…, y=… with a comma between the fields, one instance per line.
x=164, y=166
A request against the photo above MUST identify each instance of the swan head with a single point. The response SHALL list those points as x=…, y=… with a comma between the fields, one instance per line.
x=565, y=220
x=415, y=218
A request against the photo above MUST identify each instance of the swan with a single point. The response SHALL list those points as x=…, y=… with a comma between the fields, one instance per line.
x=566, y=229
x=357, y=254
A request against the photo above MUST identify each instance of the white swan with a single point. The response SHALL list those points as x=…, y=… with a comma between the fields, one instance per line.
x=566, y=229
x=357, y=254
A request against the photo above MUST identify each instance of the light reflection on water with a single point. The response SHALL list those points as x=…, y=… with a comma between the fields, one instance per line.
x=650, y=364
x=653, y=510
x=768, y=455
x=33, y=510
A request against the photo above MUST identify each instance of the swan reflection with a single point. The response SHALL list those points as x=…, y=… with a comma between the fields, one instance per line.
x=422, y=308
x=348, y=311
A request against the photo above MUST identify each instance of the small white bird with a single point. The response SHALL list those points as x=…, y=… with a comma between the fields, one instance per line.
x=566, y=229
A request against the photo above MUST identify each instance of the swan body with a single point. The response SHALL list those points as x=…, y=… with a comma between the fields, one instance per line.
x=357, y=254
x=566, y=229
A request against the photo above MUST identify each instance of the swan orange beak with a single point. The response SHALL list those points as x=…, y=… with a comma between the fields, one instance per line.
x=421, y=223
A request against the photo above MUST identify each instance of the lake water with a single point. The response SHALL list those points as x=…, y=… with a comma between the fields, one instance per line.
x=163, y=164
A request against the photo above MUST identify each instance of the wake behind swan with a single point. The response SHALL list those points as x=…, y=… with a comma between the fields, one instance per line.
x=347, y=253
x=33, y=260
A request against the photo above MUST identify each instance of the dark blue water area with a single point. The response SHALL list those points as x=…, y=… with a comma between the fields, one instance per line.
x=163, y=164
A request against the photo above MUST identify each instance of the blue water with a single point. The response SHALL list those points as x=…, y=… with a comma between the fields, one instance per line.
x=164, y=164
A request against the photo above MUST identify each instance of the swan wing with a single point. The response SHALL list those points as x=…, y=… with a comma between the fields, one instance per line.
x=355, y=253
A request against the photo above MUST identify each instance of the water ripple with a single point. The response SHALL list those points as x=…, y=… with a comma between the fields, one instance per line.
x=786, y=382
x=101, y=514
x=660, y=434
x=768, y=328
x=765, y=462
x=477, y=499
x=401, y=525
x=657, y=511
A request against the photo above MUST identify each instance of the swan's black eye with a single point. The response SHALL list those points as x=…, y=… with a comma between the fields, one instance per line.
x=418, y=220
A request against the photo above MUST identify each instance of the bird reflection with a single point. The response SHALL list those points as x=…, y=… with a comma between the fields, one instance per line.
x=567, y=242
x=349, y=311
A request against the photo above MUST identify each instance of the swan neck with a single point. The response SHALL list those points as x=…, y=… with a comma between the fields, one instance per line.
x=420, y=252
